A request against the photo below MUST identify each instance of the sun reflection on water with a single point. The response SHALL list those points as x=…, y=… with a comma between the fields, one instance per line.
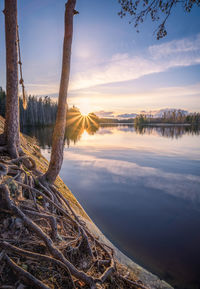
x=80, y=125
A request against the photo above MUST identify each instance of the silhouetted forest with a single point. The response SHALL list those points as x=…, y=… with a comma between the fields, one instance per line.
x=40, y=111
x=76, y=124
x=115, y=120
x=175, y=116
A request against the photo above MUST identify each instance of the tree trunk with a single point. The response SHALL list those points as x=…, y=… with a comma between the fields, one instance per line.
x=59, y=129
x=11, y=129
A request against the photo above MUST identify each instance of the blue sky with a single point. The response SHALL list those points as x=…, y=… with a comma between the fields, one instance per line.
x=114, y=68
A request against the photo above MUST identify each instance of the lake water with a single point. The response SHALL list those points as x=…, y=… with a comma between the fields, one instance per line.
x=142, y=189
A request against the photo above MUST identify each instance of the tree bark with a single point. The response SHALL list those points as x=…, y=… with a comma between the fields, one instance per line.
x=11, y=129
x=59, y=129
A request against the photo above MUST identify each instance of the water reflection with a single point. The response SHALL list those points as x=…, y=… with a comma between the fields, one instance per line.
x=141, y=187
x=148, y=205
x=77, y=125
x=168, y=131
x=42, y=135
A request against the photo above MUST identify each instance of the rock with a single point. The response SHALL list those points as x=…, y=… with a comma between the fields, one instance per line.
x=18, y=223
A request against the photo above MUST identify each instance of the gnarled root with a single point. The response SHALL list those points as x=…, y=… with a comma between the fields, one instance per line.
x=47, y=240
x=39, y=257
x=28, y=278
x=44, y=239
x=28, y=162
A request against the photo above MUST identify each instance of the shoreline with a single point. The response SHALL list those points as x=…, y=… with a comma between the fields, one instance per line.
x=168, y=124
x=150, y=280
x=146, y=124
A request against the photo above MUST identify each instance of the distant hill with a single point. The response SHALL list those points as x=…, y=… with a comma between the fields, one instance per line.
x=162, y=112
x=153, y=114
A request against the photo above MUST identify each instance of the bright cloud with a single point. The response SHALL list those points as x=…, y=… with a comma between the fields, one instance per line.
x=103, y=113
x=178, y=91
x=124, y=67
x=131, y=100
x=118, y=79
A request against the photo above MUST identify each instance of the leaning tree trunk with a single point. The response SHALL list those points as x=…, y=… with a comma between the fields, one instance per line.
x=11, y=129
x=59, y=129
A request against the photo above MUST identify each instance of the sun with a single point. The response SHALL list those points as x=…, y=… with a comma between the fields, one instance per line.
x=84, y=114
x=85, y=107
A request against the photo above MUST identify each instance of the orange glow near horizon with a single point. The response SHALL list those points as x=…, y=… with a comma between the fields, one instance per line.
x=84, y=114
x=78, y=120
x=84, y=104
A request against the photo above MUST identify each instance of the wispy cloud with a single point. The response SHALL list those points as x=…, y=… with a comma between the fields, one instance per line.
x=127, y=115
x=173, y=91
x=175, y=47
x=118, y=79
x=174, y=184
x=129, y=99
x=103, y=113
x=42, y=88
x=124, y=67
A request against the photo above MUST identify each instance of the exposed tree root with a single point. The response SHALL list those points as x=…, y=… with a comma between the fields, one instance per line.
x=28, y=278
x=42, y=240
x=9, y=248
x=52, y=221
x=27, y=161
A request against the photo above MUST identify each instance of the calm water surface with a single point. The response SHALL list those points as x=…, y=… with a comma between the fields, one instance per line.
x=142, y=189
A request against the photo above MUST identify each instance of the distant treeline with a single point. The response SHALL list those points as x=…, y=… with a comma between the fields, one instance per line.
x=171, y=117
x=40, y=111
x=175, y=116
x=115, y=120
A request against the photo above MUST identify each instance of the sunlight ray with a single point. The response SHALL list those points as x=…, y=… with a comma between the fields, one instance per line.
x=73, y=119
x=92, y=121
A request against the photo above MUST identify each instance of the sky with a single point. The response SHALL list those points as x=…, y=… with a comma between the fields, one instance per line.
x=114, y=69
